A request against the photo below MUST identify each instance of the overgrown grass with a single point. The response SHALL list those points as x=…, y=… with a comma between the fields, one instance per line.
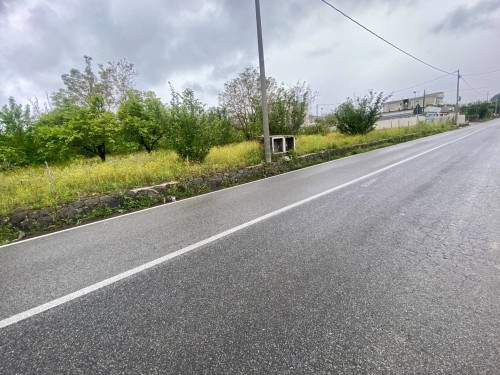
x=29, y=188
x=307, y=144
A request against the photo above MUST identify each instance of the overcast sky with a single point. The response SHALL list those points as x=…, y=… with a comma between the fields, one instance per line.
x=201, y=44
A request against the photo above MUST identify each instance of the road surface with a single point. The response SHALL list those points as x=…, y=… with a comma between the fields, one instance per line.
x=383, y=262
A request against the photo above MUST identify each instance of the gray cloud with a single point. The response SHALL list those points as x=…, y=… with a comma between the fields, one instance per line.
x=203, y=43
x=465, y=19
x=162, y=38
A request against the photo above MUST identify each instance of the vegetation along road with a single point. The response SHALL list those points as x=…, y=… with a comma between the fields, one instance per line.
x=382, y=262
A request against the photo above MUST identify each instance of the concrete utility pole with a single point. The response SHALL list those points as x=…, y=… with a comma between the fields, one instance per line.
x=416, y=105
x=458, y=88
x=263, y=86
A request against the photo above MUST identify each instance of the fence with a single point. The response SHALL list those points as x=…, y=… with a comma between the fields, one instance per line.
x=401, y=122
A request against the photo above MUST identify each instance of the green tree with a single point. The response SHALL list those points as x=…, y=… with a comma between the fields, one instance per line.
x=51, y=135
x=221, y=128
x=359, y=116
x=191, y=132
x=16, y=135
x=299, y=99
x=484, y=110
x=92, y=129
x=287, y=106
x=242, y=99
x=478, y=110
x=278, y=113
x=144, y=118
x=111, y=82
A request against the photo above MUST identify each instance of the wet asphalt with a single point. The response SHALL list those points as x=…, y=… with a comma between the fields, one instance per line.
x=397, y=273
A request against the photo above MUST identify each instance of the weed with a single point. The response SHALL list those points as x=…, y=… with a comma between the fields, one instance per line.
x=100, y=212
x=142, y=201
x=201, y=188
x=227, y=183
x=7, y=233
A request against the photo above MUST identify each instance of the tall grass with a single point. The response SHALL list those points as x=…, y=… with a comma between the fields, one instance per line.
x=30, y=187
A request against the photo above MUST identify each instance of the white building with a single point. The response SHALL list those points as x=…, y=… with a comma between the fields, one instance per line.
x=434, y=99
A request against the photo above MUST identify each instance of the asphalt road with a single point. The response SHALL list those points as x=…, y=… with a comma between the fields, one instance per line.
x=393, y=267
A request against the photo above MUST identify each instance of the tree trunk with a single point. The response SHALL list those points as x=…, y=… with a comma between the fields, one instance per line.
x=145, y=144
x=101, y=151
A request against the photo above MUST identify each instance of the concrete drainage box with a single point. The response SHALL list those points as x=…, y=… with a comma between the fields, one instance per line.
x=282, y=143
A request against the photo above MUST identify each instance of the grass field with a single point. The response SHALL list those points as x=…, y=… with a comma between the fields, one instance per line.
x=29, y=188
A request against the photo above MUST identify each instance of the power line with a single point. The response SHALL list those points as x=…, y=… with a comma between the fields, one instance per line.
x=423, y=83
x=480, y=74
x=378, y=36
x=472, y=88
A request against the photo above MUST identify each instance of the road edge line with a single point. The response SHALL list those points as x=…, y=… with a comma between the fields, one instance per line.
x=99, y=285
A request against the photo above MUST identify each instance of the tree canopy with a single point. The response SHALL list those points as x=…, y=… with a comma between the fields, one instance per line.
x=144, y=118
x=359, y=115
x=190, y=126
x=98, y=111
x=287, y=106
x=111, y=82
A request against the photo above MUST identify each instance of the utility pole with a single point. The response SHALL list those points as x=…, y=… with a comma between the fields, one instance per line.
x=263, y=88
x=458, y=88
x=416, y=105
x=423, y=104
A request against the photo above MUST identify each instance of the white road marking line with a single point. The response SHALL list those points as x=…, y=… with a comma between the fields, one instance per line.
x=194, y=197
x=79, y=293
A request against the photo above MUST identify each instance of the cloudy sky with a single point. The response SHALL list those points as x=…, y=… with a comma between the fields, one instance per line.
x=203, y=43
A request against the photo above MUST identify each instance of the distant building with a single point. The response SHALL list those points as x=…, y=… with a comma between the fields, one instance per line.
x=310, y=120
x=434, y=99
x=437, y=111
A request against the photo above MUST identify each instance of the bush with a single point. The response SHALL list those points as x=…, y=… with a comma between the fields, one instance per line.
x=359, y=116
x=222, y=131
x=191, y=138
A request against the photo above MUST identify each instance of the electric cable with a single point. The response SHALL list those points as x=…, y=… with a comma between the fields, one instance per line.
x=480, y=74
x=467, y=83
x=386, y=41
x=423, y=83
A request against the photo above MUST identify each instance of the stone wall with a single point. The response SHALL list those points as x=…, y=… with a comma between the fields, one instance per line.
x=29, y=220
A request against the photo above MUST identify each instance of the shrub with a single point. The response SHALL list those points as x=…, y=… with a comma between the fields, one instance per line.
x=359, y=116
x=191, y=137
